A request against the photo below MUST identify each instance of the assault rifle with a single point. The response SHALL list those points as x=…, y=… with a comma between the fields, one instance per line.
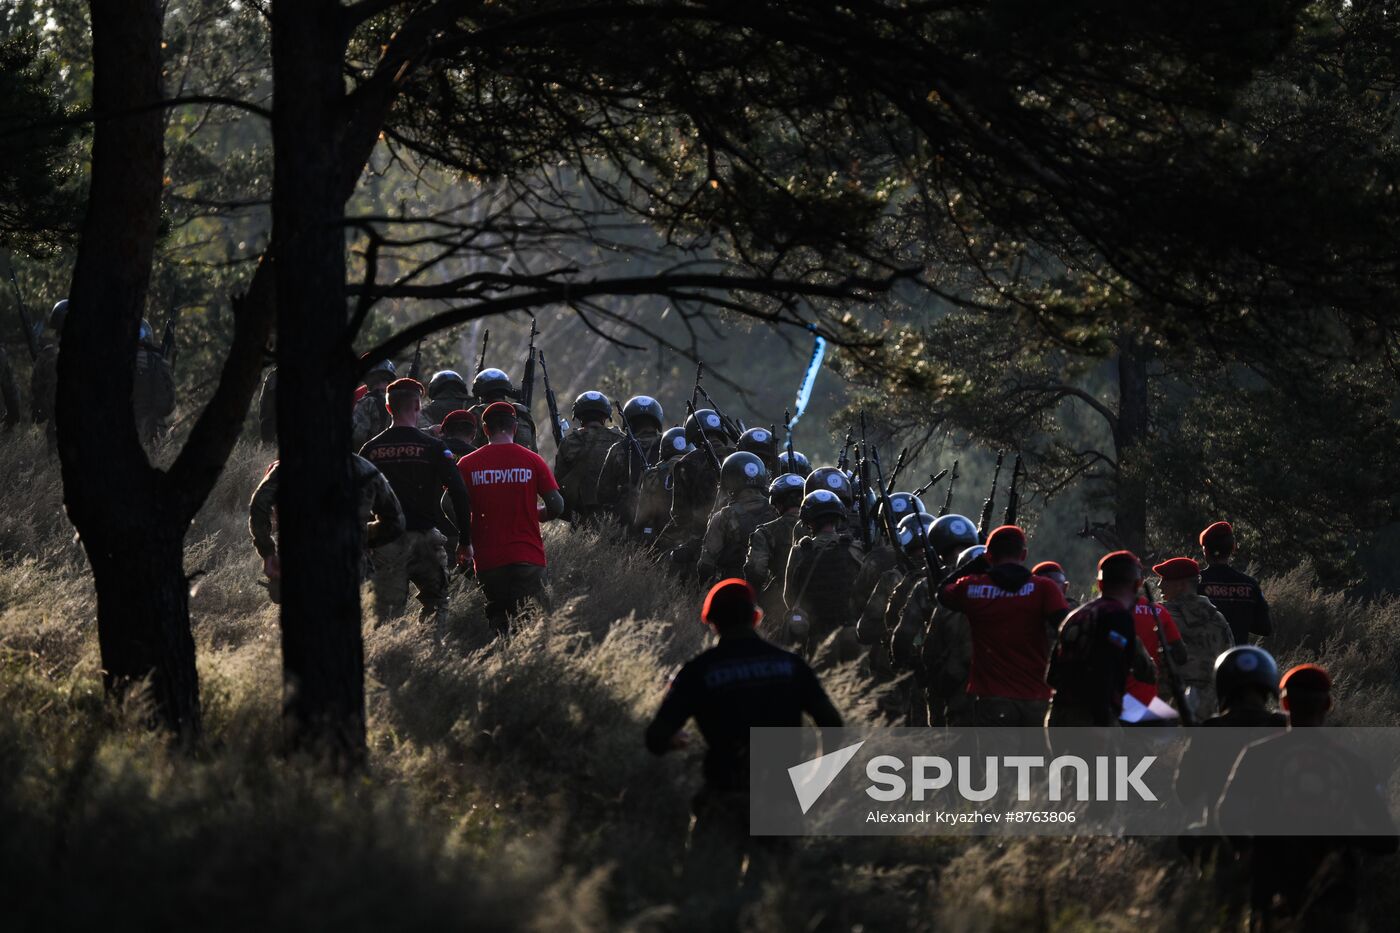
x=167, y=340
x=948, y=499
x=636, y=448
x=416, y=367
x=933, y=480
x=705, y=440
x=894, y=474
x=843, y=461
x=481, y=360
x=1183, y=704
x=558, y=424
x=731, y=429
x=886, y=509
x=984, y=527
x=31, y=339
x=1013, y=499
x=527, y=381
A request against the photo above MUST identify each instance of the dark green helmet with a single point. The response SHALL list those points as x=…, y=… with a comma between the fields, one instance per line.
x=743, y=470
x=832, y=480
x=1246, y=666
x=492, y=385
x=902, y=504
x=952, y=534
x=821, y=506
x=797, y=463
x=706, y=419
x=642, y=411
x=760, y=442
x=445, y=379
x=674, y=444
x=786, y=491
x=592, y=404
x=911, y=538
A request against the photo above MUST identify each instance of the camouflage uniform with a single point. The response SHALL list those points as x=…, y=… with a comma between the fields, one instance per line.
x=880, y=560
x=904, y=703
x=525, y=432
x=941, y=641
x=766, y=564
x=726, y=543
x=369, y=419
x=654, y=501
x=695, y=481
x=577, y=466
x=1206, y=635
x=821, y=573
x=380, y=514
x=153, y=392
x=620, y=479
x=9, y=391
x=451, y=399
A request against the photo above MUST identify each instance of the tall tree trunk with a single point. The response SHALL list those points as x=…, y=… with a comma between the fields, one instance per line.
x=1130, y=510
x=323, y=653
x=129, y=526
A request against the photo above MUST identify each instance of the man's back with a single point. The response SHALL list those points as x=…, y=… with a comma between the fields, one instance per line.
x=739, y=684
x=505, y=482
x=417, y=467
x=1240, y=600
x=1009, y=612
x=1090, y=663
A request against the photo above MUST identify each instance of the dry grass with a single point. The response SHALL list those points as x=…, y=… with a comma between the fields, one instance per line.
x=509, y=787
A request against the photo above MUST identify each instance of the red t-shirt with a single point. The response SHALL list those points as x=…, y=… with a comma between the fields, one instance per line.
x=1010, y=635
x=504, y=482
x=1147, y=634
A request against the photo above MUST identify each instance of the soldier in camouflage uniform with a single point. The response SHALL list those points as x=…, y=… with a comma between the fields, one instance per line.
x=623, y=468
x=695, y=483
x=938, y=640
x=447, y=392
x=821, y=573
x=380, y=516
x=743, y=479
x=654, y=491
x=879, y=620
x=1204, y=630
x=765, y=566
x=153, y=387
x=883, y=557
x=493, y=385
x=370, y=418
x=579, y=461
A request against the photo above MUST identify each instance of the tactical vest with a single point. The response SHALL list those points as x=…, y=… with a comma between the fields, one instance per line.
x=580, y=463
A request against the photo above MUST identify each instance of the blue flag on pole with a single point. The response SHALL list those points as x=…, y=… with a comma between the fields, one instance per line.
x=804, y=391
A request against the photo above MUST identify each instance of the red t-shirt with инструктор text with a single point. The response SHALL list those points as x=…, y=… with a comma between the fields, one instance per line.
x=505, y=482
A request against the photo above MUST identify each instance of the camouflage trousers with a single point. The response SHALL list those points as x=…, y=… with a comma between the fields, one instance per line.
x=417, y=557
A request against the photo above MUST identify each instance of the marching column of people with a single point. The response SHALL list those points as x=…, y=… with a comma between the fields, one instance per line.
x=808, y=568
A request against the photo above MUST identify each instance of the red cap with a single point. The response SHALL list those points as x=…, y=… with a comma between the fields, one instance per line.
x=1118, y=558
x=1217, y=530
x=496, y=411
x=1305, y=678
x=1047, y=566
x=1006, y=539
x=458, y=416
x=730, y=602
x=1178, y=568
x=405, y=385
